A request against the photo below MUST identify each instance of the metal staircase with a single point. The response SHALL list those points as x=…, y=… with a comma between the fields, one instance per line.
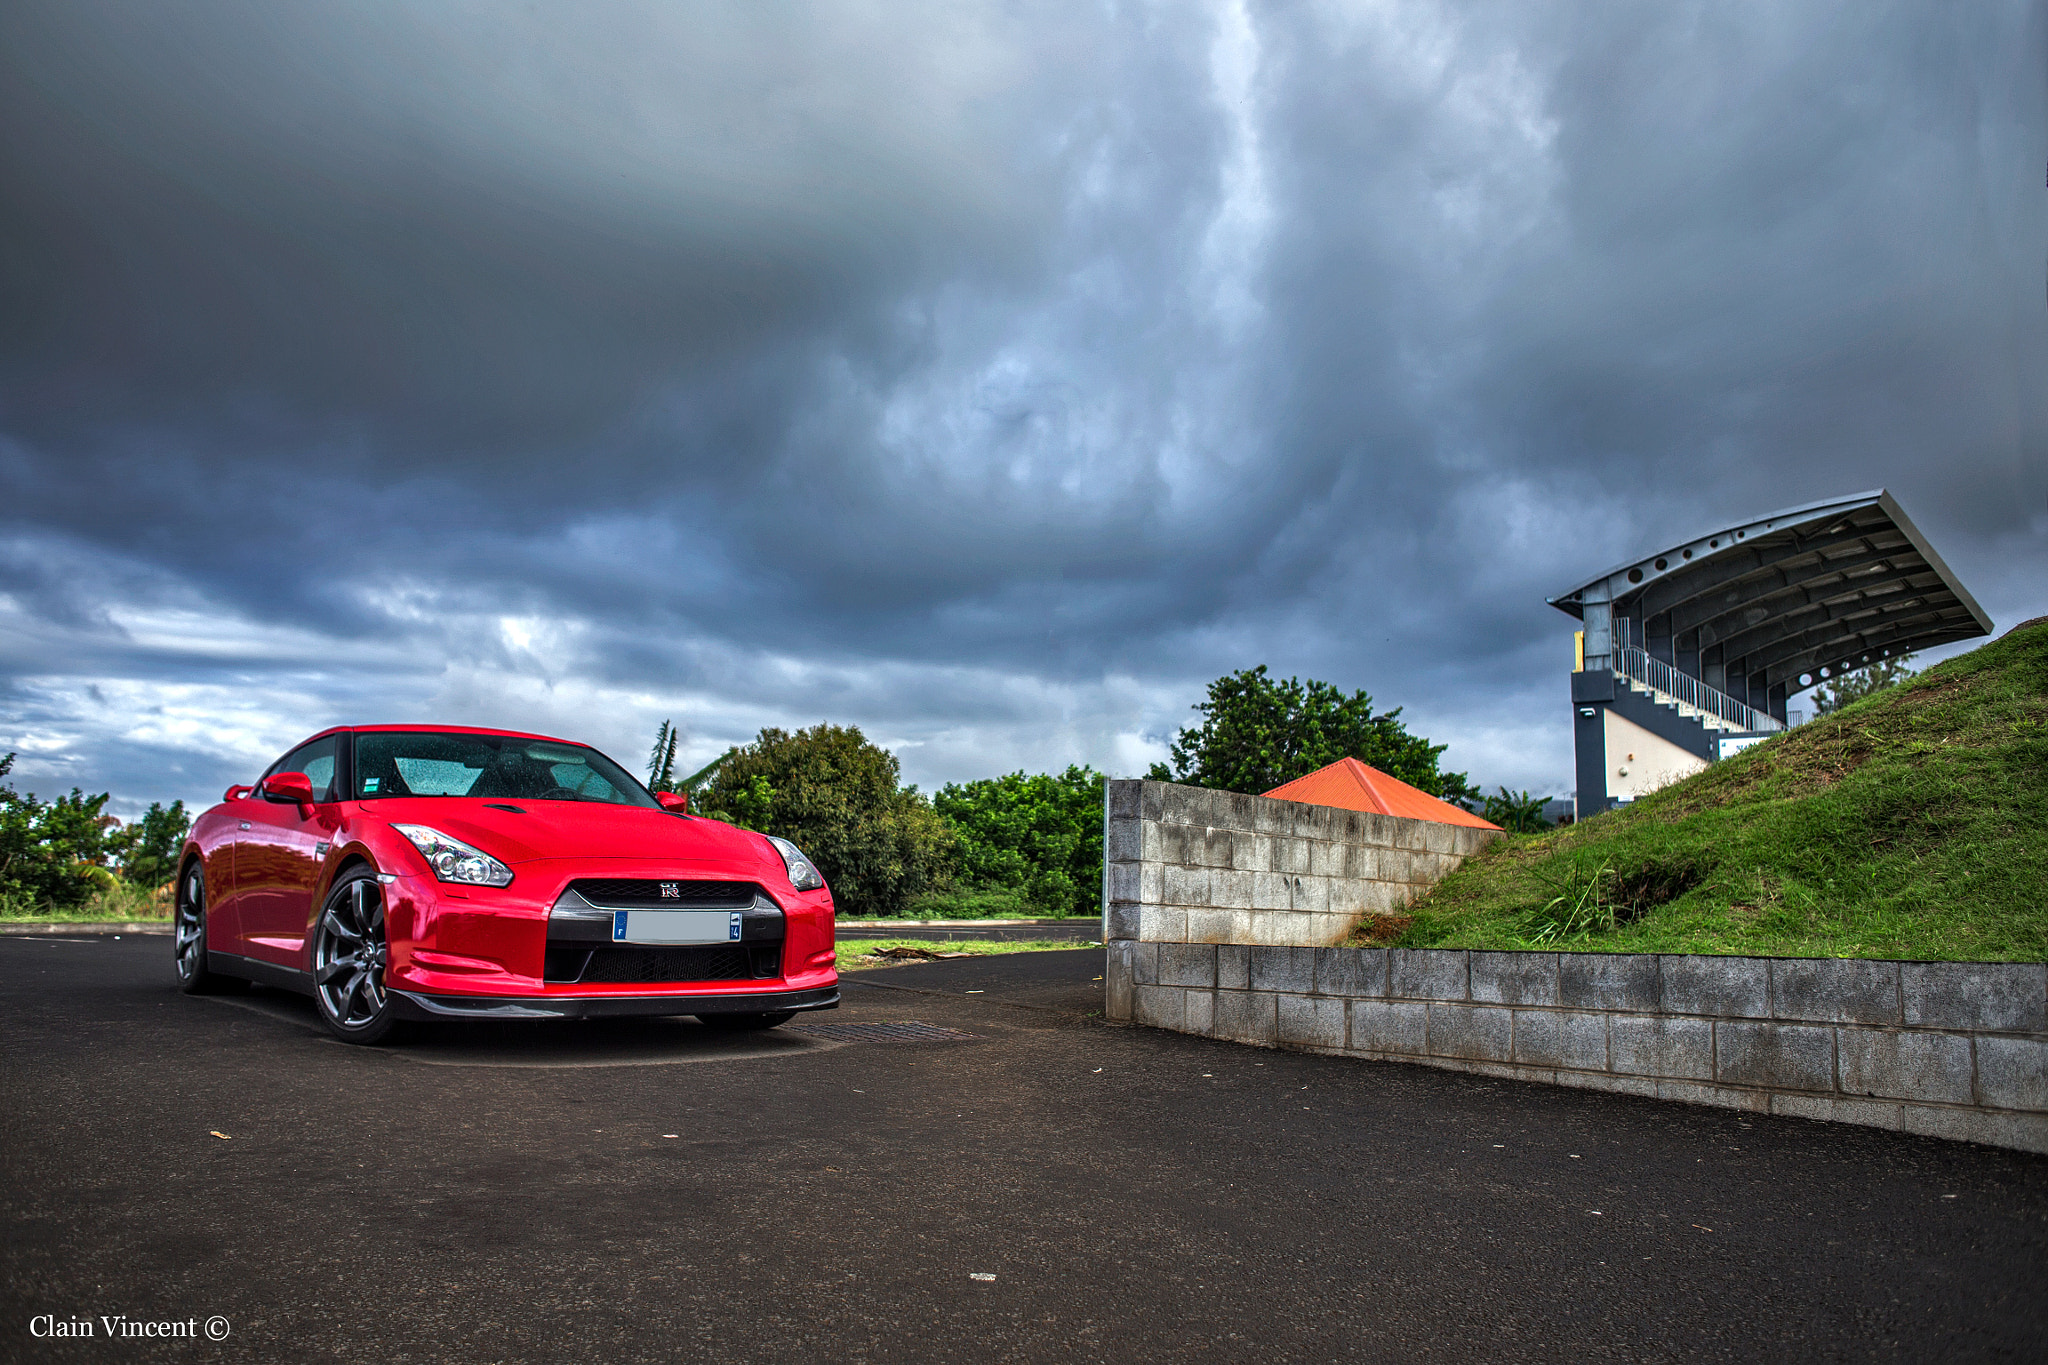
x=1691, y=698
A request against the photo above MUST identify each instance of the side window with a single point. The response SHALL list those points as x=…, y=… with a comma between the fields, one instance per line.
x=315, y=760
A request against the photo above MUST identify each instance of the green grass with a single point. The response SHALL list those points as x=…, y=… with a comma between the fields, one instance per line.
x=1913, y=824
x=995, y=903
x=120, y=901
x=857, y=954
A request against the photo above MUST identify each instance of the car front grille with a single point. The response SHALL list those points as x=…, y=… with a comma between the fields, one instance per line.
x=630, y=894
x=639, y=964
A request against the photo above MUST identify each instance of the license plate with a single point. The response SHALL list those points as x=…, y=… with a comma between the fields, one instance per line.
x=675, y=926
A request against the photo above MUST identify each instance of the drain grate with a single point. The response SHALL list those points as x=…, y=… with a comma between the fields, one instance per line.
x=907, y=1031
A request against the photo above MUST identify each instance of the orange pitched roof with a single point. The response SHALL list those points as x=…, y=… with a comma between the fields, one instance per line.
x=1351, y=785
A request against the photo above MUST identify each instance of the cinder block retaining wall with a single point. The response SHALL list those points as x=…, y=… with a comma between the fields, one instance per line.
x=1190, y=865
x=1952, y=1049
x=1949, y=1049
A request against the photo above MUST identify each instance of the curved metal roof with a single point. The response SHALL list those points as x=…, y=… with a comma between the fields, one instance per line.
x=1828, y=585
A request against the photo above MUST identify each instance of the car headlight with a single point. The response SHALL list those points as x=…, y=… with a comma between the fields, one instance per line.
x=802, y=875
x=455, y=861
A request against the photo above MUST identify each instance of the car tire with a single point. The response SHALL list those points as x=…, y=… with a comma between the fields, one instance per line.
x=349, y=954
x=746, y=1023
x=188, y=939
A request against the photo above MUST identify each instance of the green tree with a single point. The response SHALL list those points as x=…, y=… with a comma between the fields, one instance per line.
x=1037, y=834
x=661, y=764
x=838, y=798
x=751, y=806
x=1858, y=683
x=1258, y=732
x=53, y=853
x=149, y=848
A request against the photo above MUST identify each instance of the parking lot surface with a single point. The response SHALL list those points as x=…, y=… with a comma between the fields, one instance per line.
x=641, y=1190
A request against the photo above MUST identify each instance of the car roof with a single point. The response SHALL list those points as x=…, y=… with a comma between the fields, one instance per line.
x=439, y=730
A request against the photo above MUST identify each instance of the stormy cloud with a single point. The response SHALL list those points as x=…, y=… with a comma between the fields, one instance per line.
x=990, y=377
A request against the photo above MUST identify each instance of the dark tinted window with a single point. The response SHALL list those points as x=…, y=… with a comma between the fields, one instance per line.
x=501, y=767
x=315, y=760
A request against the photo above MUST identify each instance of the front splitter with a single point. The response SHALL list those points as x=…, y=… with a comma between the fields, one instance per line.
x=415, y=1006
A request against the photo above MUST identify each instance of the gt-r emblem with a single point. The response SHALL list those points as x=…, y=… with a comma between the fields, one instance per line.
x=671, y=891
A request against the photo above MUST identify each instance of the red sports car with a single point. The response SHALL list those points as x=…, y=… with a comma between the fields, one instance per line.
x=433, y=872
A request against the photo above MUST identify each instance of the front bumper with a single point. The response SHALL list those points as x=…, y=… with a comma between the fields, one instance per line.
x=471, y=950
x=415, y=1005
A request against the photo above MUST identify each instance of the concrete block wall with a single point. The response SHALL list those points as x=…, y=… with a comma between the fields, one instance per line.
x=1190, y=865
x=1950, y=1049
x=1219, y=912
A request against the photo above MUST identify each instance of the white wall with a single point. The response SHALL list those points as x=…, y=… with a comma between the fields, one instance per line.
x=1639, y=762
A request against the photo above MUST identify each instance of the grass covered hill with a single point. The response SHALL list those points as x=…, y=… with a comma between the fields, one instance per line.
x=1912, y=824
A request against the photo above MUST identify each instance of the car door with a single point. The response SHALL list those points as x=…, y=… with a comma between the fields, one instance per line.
x=217, y=834
x=279, y=857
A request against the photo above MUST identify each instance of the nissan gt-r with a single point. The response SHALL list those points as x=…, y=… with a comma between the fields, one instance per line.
x=417, y=872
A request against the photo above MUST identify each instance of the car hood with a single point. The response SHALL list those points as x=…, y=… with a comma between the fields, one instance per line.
x=582, y=829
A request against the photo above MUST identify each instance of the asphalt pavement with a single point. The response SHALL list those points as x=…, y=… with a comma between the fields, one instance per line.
x=644, y=1190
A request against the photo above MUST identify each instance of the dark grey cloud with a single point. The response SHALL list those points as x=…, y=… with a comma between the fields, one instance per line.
x=989, y=376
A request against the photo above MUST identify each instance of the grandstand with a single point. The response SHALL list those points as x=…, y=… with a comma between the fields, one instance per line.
x=1691, y=653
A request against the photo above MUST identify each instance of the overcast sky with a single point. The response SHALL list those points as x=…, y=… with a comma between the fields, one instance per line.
x=990, y=377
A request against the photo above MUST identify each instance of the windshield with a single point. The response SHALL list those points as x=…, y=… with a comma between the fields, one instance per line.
x=400, y=763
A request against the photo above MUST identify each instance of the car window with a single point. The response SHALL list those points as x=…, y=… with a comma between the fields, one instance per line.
x=316, y=761
x=436, y=776
x=583, y=780
x=500, y=767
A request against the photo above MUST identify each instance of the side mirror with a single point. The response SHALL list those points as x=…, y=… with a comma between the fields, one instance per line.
x=678, y=802
x=296, y=788
x=237, y=792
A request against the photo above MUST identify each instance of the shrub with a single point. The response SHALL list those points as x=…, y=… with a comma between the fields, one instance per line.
x=836, y=796
x=1036, y=836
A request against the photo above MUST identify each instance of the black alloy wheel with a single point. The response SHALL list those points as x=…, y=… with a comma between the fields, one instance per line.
x=349, y=953
x=746, y=1023
x=188, y=930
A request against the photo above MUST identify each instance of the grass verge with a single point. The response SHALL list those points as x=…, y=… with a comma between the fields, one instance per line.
x=994, y=903
x=118, y=902
x=1912, y=824
x=858, y=954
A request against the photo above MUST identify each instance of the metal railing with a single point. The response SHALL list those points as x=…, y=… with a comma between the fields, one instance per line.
x=1635, y=663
